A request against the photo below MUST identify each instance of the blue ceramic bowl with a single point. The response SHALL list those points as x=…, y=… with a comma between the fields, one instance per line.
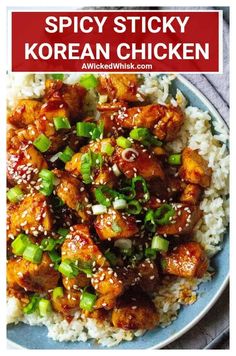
x=35, y=337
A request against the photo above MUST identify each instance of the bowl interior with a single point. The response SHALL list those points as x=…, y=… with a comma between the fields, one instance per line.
x=36, y=337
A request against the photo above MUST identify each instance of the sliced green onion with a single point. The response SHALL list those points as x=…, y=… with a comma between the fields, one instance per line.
x=61, y=122
x=123, y=142
x=164, y=214
x=116, y=227
x=107, y=148
x=87, y=301
x=160, y=244
x=33, y=253
x=98, y=131
x=99, y=209
x=48, y=244
x=101, y=197
x=88, y=81
x=123, y=244
x=153, y=141
x=143, y=135
x=128, y=193
x=85, y=267
x=66, y=155
x=97, y=159
x=48, y=179
x=85, y=129
x=139, y=134
x=45, y=307
x=86, y=166
x=120, y=204
x=63, y=232
x=149, y=221
x=150, y=253
x=42, y=143
x=139, y=179
x=174, y=159
x=19, y=244
x=111, y=257
x=47, y=175
x=68, y=269
x=32, y=305
x=57, y=76
x=89, y=160
x=15, y=194
x=134, y=207
x=55, y=258
x=116, y=170
x=57, y=293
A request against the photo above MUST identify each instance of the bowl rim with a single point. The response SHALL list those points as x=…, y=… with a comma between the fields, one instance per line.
x=190, y=325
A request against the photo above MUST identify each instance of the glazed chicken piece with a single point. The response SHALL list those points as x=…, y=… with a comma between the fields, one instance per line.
x=25, y=112
x=108, y=113
x=23, y=166
x=119, y=86
x=74, y=165
x=138, y=162
x=32, y=277
x=134, y=310
x=80, y=281
x=191, y=194
x=70, y=97
x=72, y=192
x=114, y=225
x=68, y=304
x=194, y=168
x=187, y=260
x=100, y=315
x=149, y=276
x=145, y=275
x=31, y=215
x=163, y=121
x=108, y=286
x=105, y=176
x=79, y=246
x=28, y=134
x=183, y=222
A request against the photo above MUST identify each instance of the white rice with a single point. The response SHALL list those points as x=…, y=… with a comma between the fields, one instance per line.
x=174, y=292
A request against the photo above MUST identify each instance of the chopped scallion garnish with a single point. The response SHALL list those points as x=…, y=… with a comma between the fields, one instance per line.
x=57, y=76
x=19, y=244
x=174, y=159
x=66, y=155
x=42, y=143
x=120, y=204
x=99, y=209
x=45, y=307
x=33, y=253
x=61, y=122
x=87, y=301
x=15, y=194
x=57, y=293
x=123, y=142
x=88, y=81
x=134, y=207
x=160, y=244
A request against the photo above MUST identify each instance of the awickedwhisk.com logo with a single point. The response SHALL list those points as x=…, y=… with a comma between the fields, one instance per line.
x=116, y=66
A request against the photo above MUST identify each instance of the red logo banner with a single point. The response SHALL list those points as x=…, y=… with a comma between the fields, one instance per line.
x=115, y=41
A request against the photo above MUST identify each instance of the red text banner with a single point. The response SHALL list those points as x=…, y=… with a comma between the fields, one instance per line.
x=111, y=41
